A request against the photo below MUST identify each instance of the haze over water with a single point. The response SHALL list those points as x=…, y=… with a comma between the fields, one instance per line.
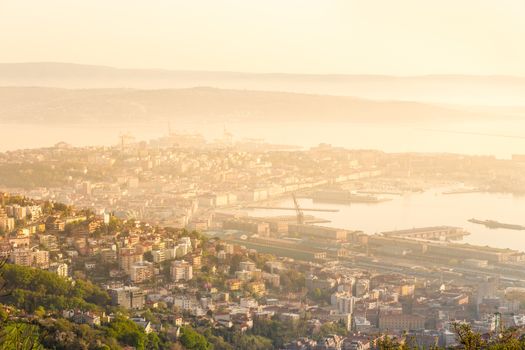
x=499, y=138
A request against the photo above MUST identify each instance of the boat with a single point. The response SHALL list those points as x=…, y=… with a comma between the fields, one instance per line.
x=345, y=197
x=463, y=191
x=380, y=192
x=497, y=224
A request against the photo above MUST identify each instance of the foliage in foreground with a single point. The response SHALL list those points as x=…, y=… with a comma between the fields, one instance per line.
x=508, y=339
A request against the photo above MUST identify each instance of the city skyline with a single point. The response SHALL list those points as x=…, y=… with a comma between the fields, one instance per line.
x=288, y=175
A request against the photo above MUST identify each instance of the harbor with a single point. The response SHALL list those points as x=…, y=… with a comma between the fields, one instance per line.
x=430, y=208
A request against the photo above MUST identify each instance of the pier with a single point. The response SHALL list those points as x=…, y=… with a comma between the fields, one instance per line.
x=286, y=208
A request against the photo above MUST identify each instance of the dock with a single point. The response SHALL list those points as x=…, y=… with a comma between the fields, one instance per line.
x=493, y=224
x=287, y=208
x=432, y=233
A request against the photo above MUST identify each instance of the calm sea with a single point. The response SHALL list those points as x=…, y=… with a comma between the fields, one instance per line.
x=430, y=208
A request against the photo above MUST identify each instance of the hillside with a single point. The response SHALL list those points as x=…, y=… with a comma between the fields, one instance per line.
x=454, y=89
x=54, y=105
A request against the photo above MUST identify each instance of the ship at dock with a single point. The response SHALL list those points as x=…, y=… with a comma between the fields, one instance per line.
x=342, y=196
x=496, y=224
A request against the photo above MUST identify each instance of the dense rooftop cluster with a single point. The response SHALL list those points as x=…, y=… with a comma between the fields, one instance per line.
x=137, y=246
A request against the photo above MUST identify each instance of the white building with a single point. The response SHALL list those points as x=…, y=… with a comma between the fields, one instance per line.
x=159, y=255
x=343, y=302
x=181, y=271
x=60, y=269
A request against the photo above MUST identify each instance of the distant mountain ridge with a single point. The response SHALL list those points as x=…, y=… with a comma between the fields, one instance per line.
x=57, y=105
x=451, y=89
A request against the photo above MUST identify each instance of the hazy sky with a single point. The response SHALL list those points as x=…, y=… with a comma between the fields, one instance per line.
x=401, y=37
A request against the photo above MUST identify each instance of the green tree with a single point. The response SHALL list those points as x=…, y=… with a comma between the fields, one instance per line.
x=153, y=342
x=193, y=340
x=40, y=312
x=20, y=336
x=127, y=332
x=252, y=342
x=467, y=338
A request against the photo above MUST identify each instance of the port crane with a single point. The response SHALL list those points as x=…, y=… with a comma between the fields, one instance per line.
x=298, y=211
